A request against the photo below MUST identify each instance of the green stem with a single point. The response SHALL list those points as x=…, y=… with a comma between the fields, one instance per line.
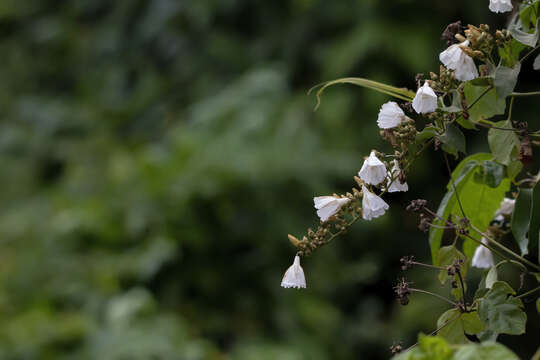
x=518, y=94
x=519, y=258
x=433, y=294
x=528, y=292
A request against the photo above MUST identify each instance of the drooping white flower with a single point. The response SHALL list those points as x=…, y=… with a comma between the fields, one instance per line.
x=396, y=185
x=390, y=115
x=373, y=170
x=425, y=100
x=500, y=6
x=294, y=276
x=506, y=208
x=482, y=258
x=328, y=206
x=456, y=59
x=372, y=205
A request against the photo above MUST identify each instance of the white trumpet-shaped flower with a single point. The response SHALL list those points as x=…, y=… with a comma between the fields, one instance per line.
x=390, y=115
x=373, y=170
x=506, y=208
x=396, y=185
x=425, y=100
x=500, y=6
x=294, y=276
x=328, y=206
x=456, y=59
x=372, y=205
x=482, y=258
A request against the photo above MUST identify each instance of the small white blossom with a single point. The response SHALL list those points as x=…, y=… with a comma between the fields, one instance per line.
x=456, y=59
x=506, y=208
x=328, y=206
x=425, y=100
x=483, y=258
x=396, y=185
x=372, y=205
x=390, y=115
x=373, y=170
x=500, y=6
x=294, y=276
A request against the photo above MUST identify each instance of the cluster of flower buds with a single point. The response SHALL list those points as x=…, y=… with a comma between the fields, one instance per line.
x=403, y=291
x=502, y=37
x=481, y=41
x=444, y=81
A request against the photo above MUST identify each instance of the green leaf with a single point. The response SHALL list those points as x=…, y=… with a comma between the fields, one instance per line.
x=514, y=168
x=502, y=313
x=453, y=332
x=534, y=230
x=483, y=103
x=538, y=305
x=455, y=105
x=484, y=351
x=429, y=348
x=506, y=79
x=520, y=33
x=504, y=144
x=427, y=133
x=479, y=202
x=453, y=140
x=400, y=93
x=521, y=218
x=491, y=277
x=472, y=323
x=490, y=173
x=528, y=17
x=536, y=64
x=447, y=256
x=510, y=53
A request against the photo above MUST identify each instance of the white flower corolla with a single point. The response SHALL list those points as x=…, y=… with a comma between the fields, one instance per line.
x=456, y=59
x=294, y=276
x=500, y=6
x=390, y=115
x=425, y=100
x=372, y=205
x=328, y=206
x=482, y=258
x=506, y=208
x=396, y=185
x=373, y=170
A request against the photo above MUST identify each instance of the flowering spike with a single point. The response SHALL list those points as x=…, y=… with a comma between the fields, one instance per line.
x=425, y=100
x=482, y=258
x=372, y=205
x=373, y=170
x=328, y=206
x=294, y=276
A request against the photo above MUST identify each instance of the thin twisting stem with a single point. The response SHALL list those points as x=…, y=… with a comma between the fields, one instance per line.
x=453, y=184
x=528, y=292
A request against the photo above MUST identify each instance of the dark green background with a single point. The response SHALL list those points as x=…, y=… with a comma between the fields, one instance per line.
x=155, y=154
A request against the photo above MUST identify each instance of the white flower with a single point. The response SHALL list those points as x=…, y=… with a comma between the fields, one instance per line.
x=456, y=59
x=483, y=258
x=294, y=276
x=373, y=170
x=506, y=208
x=372, y=205
x=396, y=185
x=328, y=205
x=390, y=115
x=500, y=6
x=425, y=100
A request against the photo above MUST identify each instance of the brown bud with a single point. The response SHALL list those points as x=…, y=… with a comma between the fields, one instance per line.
x=293, y=240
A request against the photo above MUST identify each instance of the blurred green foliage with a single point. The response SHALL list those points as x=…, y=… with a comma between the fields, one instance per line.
x=157, y=152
